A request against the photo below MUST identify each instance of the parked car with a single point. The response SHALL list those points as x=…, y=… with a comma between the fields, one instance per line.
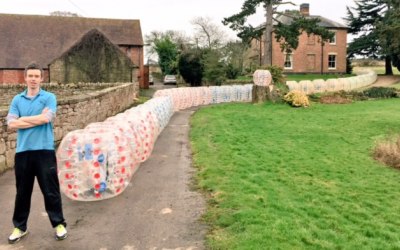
x=151, y=80
x=169, y=79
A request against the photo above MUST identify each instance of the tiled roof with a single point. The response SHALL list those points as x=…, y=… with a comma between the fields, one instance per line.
x=324, y=22
x=26, y=38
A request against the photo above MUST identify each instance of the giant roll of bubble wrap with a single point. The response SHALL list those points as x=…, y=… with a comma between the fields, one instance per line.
x=94, y=164
x=332, y=85
x=262, y=77
x=98, y=162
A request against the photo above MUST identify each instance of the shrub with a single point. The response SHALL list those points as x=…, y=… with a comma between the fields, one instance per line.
x=277, y=74
x=380, y=92
x=190, y=67
x=388, y=152
x=340, y=97
x=297, y=99
x=231, y=71
x=278, y=80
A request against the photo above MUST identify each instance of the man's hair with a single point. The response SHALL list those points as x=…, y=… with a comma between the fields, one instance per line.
x=33, y=65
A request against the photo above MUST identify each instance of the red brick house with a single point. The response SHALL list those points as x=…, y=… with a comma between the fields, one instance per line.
x=310, y=56
x=26, y=38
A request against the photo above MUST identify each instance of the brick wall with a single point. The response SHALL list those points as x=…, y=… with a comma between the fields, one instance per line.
x=73, y=112
x=308, y=55
x=136, y=56
x=17, y=75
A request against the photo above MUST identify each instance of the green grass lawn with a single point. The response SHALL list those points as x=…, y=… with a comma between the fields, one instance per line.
x=278, y=177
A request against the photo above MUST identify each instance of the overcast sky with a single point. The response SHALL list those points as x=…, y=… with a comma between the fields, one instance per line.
x=162, y=15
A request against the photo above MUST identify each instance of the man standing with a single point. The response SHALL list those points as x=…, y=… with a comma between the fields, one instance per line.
x=32, y=113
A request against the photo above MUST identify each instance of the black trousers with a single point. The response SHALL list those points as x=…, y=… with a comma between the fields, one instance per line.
x=43, y=165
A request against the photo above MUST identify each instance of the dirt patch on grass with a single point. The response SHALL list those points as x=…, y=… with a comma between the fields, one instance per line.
x=335, y=99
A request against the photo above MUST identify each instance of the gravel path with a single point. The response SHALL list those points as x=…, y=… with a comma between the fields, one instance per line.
x=384, y=81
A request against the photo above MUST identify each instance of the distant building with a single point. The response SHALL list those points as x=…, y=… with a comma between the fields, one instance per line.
x=78, y=65
x=26, y=38
x=310, y=56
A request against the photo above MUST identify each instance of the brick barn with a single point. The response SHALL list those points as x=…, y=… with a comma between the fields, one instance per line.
x=26, y=38
x=310, y=56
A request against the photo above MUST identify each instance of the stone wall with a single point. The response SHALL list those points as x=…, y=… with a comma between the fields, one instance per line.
x=73, y=112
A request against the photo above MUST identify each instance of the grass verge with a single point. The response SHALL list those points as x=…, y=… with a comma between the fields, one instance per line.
x=278, y=177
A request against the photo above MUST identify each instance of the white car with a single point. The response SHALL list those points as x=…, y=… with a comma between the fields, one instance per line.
x=169, y=79
x=151, y=80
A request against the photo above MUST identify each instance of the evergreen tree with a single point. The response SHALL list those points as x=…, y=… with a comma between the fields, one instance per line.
x=214, y=67
x=190, y=66
x=389, y=32
x=362, y=21
x=287, y=35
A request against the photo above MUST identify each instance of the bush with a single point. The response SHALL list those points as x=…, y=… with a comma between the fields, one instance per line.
x=231, y=71
x=277, y=74
x=388, y=153
x=297, y=99
x=190, y=67
x=380, y=92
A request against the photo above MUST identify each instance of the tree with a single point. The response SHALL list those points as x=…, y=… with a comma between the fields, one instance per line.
x=167, y=55
x=178, y=38
x=362, y=21
x=214, y=67
x=234, y=54
x=63, y=13
x=190, y=66
x=287, y=35
x=388, y=32
x=208, y=34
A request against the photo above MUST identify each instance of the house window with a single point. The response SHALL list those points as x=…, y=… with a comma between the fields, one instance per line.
x=331, y=61
x=288, y=64
x=333, y=39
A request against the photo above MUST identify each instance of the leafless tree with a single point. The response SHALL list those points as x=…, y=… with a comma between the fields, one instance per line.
x=208, y=34
x=63, y=13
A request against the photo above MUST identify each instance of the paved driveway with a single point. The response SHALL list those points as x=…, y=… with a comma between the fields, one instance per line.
x=158, y=210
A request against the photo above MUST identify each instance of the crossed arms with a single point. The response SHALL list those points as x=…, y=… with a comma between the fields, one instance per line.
x=46, y=116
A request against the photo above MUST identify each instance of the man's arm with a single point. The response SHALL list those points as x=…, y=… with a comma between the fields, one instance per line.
x=18, y=123
x=30, y=121
x=36, y=120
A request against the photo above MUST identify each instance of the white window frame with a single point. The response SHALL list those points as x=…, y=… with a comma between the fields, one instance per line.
x=290, y=60
x=333, y=40
x=329, y=55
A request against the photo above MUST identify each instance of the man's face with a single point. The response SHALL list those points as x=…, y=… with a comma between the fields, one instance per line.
x=33, y=78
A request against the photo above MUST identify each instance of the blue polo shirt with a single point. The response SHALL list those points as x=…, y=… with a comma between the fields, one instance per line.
x=39, y=137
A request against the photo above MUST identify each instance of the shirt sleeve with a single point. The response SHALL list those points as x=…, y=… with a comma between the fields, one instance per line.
x=13, y=112
x=52, y=105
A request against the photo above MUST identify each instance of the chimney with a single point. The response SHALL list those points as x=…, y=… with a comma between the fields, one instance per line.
x=305, y=9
